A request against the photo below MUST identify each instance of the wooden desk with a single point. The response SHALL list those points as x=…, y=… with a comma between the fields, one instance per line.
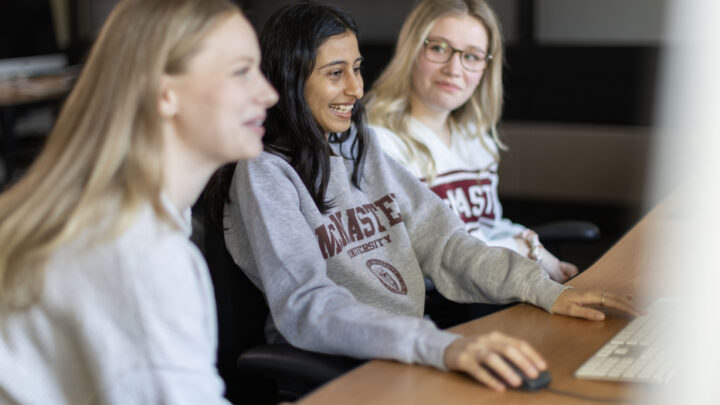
x=564, y=342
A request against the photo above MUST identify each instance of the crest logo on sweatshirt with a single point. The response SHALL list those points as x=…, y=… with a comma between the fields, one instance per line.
x=388, y=276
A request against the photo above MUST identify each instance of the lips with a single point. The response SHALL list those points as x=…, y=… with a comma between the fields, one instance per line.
x=256, y=124
x=447, y=86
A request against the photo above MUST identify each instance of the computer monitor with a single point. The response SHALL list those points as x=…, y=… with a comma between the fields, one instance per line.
x=28, y=43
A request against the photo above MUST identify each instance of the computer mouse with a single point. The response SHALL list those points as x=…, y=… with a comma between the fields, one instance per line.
x=532, y=384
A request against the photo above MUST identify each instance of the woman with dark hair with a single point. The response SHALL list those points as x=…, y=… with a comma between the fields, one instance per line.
x=299, y=130
x=339, y=237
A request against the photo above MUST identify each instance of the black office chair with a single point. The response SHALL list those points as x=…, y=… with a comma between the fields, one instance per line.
x=553, y=235
x=255, y=372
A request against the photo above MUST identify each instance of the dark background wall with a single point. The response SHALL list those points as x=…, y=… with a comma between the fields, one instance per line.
x=583, y=61
x=580, y=80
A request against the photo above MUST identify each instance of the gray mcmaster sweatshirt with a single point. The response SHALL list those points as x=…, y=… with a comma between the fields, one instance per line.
x=351, y=281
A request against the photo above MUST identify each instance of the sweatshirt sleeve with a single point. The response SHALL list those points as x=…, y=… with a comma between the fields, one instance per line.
x=309, y=309
x=463, y=268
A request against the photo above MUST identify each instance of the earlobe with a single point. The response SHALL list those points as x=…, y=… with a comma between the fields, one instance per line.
x=168, y=101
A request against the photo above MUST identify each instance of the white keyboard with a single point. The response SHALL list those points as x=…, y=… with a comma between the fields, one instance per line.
x=639, y=352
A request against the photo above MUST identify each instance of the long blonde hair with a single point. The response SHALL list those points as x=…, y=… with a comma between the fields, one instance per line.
x=388, y=102
x=106, y=147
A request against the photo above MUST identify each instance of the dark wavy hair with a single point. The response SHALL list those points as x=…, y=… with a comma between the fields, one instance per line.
x=289, y=42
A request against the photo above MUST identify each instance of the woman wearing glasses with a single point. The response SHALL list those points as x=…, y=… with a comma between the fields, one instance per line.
x=435, y=110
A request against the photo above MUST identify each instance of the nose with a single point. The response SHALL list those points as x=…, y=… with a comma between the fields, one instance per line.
x=267, y=95
x=354, y=86
x=453, y=67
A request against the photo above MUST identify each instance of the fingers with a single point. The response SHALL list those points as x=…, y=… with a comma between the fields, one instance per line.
x=470, y=365
x=487, y=359
x=558, y=277
x=501, y=369
x=525, y=358
x=463, y=354
x=579, y=311
x=568, y=269
x=574, y=303
x=622, y=303
x=529, y=353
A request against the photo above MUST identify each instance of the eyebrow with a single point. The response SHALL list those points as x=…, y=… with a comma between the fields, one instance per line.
x=449, y=43
x=339, y=62
x=242, y=59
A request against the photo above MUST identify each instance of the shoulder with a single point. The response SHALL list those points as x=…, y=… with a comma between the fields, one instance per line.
x=169, y=291
x=268, y=180
x=158, y=260
x=136, y=251
x=135, y=291
x=266, y=168
x=150, y=265
x=265, y=160
x=476, y=137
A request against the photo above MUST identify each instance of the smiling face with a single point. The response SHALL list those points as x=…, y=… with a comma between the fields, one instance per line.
x=443, y=87
x=220, y=100
x=335, y=83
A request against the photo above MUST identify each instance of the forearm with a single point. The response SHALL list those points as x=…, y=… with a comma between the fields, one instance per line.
x=328, y=319
x=493, y=274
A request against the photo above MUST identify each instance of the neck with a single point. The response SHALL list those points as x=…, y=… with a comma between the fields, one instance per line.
x=435, y=120
x=184, y=173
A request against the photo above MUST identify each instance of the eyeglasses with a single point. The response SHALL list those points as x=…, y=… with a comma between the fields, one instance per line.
x=438, y=51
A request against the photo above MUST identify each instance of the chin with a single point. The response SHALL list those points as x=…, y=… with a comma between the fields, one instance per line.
x=335, y=125
x=253, y=153
x=249, y=150
x=340, y=128
x=449, y=105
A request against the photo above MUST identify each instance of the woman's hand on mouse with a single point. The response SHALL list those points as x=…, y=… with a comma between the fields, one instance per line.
x=476, y=355
x=574, y=302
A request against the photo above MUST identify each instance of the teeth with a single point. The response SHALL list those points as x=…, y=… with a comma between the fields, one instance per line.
x=343, y=109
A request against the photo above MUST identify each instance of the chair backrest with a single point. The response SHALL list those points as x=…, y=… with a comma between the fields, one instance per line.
x=265, y=373
x=241, y=313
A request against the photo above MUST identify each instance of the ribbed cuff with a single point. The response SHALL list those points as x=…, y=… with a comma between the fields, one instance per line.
x=543, y=292
x=430, y=348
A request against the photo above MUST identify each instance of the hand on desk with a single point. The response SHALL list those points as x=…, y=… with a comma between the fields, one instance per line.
x=572, y=302
x=474, y=355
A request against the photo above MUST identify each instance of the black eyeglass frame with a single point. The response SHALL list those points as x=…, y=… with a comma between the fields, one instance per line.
x=488, y=56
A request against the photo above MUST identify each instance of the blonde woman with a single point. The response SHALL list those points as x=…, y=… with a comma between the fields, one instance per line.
x=435, y=110
x=103, y=299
